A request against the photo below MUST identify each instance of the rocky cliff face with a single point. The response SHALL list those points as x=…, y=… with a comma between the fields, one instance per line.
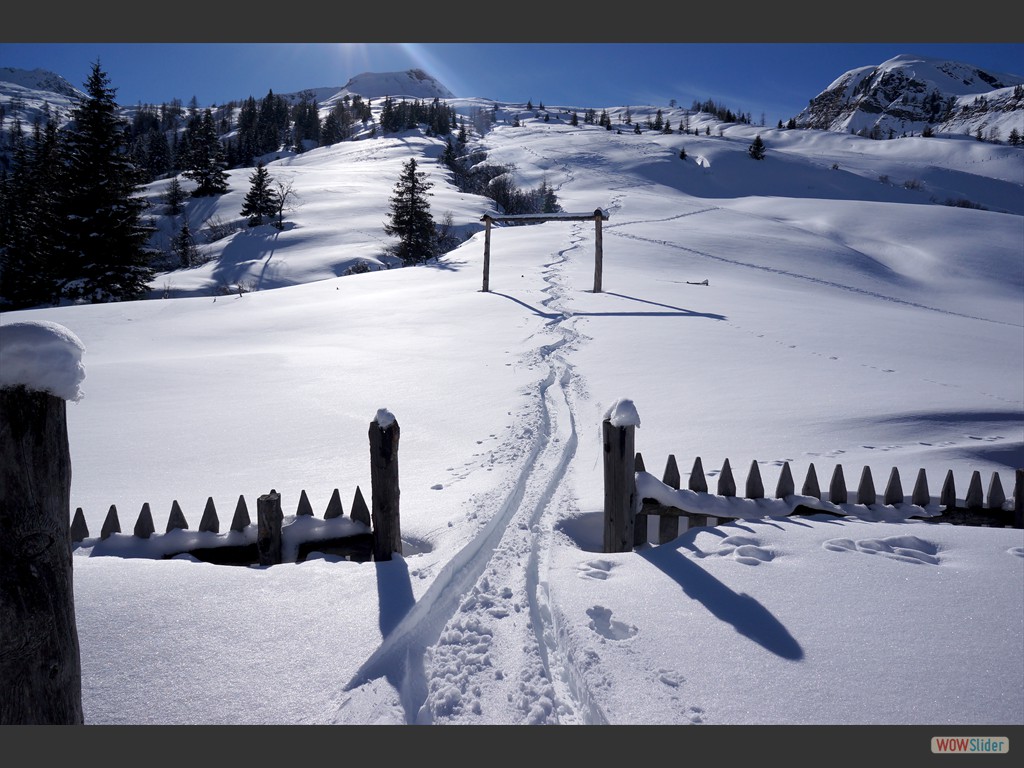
x=911, y=94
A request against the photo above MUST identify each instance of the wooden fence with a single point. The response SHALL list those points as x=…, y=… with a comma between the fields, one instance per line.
x=376, y=535
x=632, y=495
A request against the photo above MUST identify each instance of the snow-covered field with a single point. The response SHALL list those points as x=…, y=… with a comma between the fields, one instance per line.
x=848, y=318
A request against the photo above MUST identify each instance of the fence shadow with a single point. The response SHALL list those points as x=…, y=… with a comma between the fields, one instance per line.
x=747, y=615
x=679, y=311
x=394, y=589
x=671, y=311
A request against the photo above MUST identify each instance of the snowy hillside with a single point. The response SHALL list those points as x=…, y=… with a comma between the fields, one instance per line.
x=842, y=302
x=412, y=83
x=29, y=94
x=907, y=94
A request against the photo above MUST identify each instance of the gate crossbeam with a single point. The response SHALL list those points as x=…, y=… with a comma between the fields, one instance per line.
x=597, y=216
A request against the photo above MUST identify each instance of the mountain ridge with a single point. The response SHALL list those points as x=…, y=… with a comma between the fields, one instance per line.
x=912, y=94
x=905, y=95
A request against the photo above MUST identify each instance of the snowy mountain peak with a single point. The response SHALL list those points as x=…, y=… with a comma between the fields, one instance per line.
x=414, y=83
x=909, y=93
x=39, y=80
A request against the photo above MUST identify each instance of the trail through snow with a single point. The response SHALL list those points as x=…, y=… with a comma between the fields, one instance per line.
x=479, y=645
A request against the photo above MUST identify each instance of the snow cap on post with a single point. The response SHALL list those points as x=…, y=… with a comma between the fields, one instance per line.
x=41, y=356
x=384, y=418
x=622, y=413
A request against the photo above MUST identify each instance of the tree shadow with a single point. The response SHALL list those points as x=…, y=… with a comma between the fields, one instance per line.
x=747, y=615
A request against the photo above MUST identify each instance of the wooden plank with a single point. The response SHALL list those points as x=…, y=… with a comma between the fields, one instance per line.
x=947, y=497
x=79, y=528
x=111, y=524
x=810, y=486
x=785, y=487
x=360, y=512
x=1018, y=499
x=668, y=525
x=334, y=508
x=726, y=482
x=144, y=527
x=176, y=520
x=598, y=214
x=975, y=497
x=241, y=519
x=210, y=521
x=697, y=483
x=837, y=488
x=755, y=487
x=996, y=497
x=894, y=488
x=866, y=489
x=921, y=497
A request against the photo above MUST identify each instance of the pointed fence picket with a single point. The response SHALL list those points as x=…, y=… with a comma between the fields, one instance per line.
x=626, y=513
x=382, y=539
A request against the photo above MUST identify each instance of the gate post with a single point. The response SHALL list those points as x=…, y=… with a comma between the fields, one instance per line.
x=40, y=659
x=387, y=534
x=269, y=519
x=487, y=254
x=619, y=486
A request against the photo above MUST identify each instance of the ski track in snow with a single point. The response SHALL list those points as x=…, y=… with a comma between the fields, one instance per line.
x=821, y=281
x=479, y=646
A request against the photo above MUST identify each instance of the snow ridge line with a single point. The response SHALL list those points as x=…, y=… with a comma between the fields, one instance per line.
x=818, y=280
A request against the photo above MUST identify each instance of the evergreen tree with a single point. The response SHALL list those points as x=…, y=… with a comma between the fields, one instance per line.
x=261, y=199
x=174, y=197
x=102, y=251
x=548, y=198
x=184, y=247
x=207, y=165
x=29, y=221
x=757, y=150
x=410, y=219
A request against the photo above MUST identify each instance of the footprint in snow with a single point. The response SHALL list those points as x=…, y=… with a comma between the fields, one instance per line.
x=744, y=549
x=601, y=621
x=908, y=549
x=595, y=569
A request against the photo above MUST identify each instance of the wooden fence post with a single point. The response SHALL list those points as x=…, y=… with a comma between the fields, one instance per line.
x=40, y=662
x=598, y=251
x=668, y=525
x=487, y=254
x=619, y=486
x=268, y=528
x=384, y=491
x=1018, y=499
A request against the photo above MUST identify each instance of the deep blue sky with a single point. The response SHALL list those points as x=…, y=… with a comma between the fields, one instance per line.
x=776, y=79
